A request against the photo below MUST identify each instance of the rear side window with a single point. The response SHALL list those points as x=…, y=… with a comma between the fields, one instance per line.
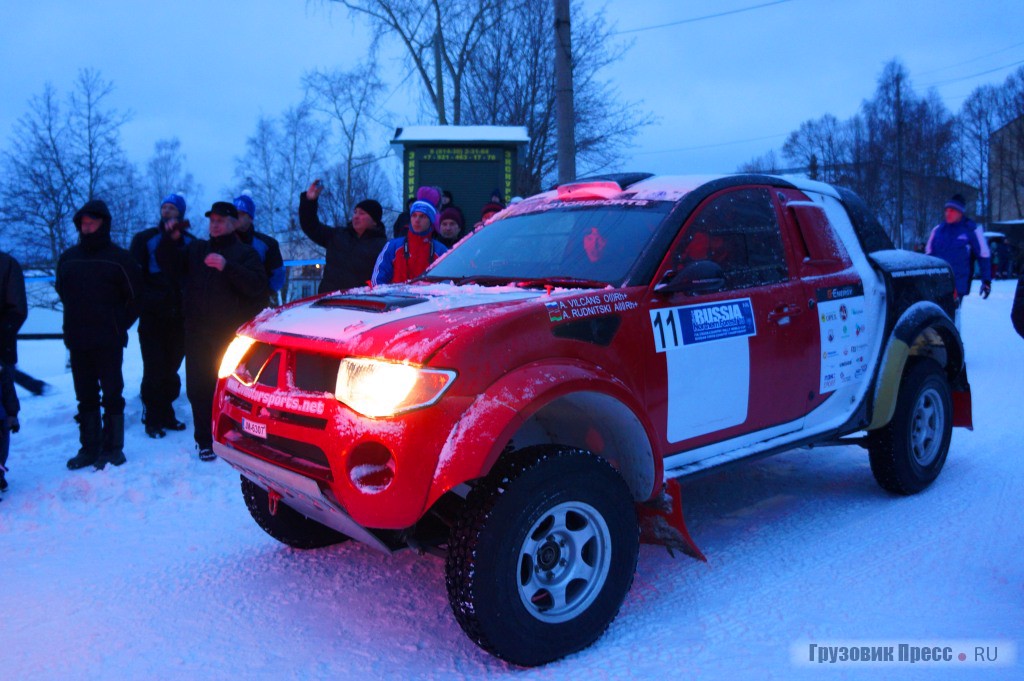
x=739, y=230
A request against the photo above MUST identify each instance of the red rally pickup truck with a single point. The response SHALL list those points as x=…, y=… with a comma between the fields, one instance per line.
x=525, y=407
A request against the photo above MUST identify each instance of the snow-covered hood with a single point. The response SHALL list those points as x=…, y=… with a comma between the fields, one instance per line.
x=403, y=321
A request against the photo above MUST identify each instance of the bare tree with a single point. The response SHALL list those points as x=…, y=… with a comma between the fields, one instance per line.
x=59, y=157
x=280, y=158
x=821, y=143
x=349, y=102
x=765, y=163
x=511, y=81
x=440, y=37
x=166, y=173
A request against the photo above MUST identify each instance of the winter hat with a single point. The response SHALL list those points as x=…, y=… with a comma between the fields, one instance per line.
x=957, y=202
x=371, y=208
x=176, y=200
x=432, y=195
x=498, y=198
x=491, y=208
x=223, y=208
x=427, y=209
x=95, y=209
x=452, y=214
x=245, y=204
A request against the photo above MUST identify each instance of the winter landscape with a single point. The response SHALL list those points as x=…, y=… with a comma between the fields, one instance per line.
x=155, y=569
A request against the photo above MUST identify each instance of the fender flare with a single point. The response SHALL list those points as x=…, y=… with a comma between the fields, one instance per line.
x=901, y=346
x=479, y=439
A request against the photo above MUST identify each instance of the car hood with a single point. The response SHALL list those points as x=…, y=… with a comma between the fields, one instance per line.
x=404, y=322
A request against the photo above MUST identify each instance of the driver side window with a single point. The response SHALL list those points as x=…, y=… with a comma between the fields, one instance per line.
x=739, y=231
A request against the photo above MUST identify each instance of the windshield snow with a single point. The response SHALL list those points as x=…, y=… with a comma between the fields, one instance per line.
x=592, y=243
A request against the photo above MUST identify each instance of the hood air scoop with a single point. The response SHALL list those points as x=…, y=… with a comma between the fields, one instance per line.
x=369, y=302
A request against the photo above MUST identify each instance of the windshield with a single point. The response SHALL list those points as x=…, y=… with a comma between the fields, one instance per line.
x=594, y=243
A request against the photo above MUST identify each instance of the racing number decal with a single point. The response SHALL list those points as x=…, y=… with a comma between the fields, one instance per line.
x=660, y=319
x=692, y=324
x=707, y=361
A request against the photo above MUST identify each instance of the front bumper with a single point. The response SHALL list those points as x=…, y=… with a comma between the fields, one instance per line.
x=300, y=493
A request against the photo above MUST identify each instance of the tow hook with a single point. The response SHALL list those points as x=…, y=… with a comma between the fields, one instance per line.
x=272, y=499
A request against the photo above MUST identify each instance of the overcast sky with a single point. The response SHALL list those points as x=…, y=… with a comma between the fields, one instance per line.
x=723, y=89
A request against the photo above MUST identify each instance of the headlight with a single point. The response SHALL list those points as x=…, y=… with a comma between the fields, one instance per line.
x=233, y=355
x=376, y=388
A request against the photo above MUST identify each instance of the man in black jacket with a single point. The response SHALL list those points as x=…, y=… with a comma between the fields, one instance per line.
x=13, y=311
x=1017, y=311
x=98, y=282
x=225, y=285
x=161, y=325
x=352, y=250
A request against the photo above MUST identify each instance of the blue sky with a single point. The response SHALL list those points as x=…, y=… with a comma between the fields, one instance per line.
x=723, y=89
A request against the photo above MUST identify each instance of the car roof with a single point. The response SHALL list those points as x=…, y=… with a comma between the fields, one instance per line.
x=675, y=187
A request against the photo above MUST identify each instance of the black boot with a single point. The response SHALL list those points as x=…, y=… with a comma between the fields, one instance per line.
x=153, y=425
x=90, y=435
x=113, y=441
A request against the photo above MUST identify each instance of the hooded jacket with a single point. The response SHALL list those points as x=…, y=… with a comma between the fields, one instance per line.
x=13, y=307
x=99, y=284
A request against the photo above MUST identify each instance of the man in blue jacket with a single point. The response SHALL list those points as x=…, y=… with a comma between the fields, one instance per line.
x=959, y=241
x=266, y=246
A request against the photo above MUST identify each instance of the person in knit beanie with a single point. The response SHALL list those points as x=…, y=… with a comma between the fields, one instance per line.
x=351, y=249
x=407, y=257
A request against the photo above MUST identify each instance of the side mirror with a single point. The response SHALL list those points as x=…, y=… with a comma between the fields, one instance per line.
x=699, y=276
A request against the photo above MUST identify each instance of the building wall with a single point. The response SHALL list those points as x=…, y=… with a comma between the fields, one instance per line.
x=1006, y=172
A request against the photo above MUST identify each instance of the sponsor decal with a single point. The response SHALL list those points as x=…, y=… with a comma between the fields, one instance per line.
x=693, y=324
x=840, y=292
x=590, y=305
x=279, y=400
x=841, y=318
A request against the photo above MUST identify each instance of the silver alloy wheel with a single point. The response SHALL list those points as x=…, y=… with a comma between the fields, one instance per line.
x=564, y=562
x=927, y=426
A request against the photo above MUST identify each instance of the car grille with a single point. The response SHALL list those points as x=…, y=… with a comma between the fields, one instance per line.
x=301, y=457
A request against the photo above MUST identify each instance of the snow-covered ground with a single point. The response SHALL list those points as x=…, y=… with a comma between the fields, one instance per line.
x=155, y=570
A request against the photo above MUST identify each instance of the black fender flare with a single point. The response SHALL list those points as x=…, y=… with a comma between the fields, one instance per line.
x=924, y=329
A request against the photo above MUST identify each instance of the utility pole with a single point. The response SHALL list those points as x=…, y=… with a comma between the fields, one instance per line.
x=899, y=153
x=566, y=115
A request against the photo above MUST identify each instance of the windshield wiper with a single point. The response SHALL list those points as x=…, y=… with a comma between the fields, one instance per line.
x=481, y=279
x=566, y=282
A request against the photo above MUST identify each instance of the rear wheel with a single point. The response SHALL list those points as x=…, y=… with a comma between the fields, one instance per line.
x=287, y=525
x=908, y=454
x=543, y=555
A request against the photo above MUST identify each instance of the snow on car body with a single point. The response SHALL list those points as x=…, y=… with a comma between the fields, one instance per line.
x=569, y=358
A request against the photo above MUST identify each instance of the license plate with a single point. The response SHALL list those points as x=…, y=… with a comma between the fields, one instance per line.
x=253, y=428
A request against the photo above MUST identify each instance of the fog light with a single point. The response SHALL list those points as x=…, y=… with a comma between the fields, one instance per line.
x=371, y=468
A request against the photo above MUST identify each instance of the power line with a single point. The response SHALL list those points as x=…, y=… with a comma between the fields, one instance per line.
x=970, y=61
x=695, y=19
x=973, y=75
x=711, y=146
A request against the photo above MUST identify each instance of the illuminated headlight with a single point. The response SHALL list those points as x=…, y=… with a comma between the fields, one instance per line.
x=233, y=355
x=376, y=388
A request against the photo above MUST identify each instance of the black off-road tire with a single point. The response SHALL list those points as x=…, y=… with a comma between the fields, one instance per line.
x=542, y=555
x=287, y=526
x=908, y=453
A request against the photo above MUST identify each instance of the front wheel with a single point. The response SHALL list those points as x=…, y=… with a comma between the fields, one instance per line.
x=542, y=555
x=908, y=453
x=287, y=526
